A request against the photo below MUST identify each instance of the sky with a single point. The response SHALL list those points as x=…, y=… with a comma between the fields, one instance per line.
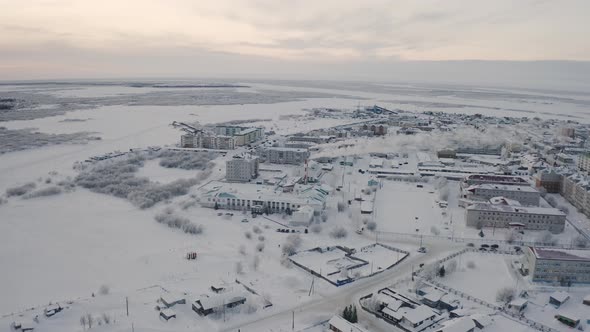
x=381, y=39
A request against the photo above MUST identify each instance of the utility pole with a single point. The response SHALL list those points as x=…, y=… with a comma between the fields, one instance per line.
x=293, y=322
x=127, y=304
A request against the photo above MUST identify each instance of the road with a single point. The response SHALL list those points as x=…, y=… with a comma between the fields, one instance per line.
x=321, y=309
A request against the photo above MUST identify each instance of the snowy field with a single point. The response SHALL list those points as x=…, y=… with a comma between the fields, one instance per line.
x=490, y=270
x=67, y=246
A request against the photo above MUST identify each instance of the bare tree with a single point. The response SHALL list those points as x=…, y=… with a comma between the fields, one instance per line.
x=104, y=290
x=255, y=263
x=371, y=225
x=471, y=264
x=434, y=230
x=505, y=294
x=89, y=320
x=260, y=247
x=83, y=321
x=239, y=268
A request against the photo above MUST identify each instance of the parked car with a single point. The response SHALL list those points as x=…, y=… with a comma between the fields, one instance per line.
x=495, y=246
x=422, y=250
x=419, y=186
x=485, y=245
x=517, y=248
x=470, y=244
x=244, y=220
x=483, y=249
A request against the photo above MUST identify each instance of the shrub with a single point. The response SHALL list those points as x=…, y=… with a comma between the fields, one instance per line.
x=20, y=190
x=260, y=247
x=248, y=235
x=256, y=230
x=292, y=243
x=49, y=191
x=186, y=160
x=338, y=232
x=169, y=218
x=505, y=294
x=471, y=264
x=371, y=225
x=261, y=238
x=434, y=230
x=104, y=290
x=316, y=228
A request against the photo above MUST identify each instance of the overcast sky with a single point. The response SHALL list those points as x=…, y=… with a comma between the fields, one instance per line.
x=296, y=38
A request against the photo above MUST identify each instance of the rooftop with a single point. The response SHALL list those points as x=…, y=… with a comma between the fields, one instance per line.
x=493, y=186
x=561, y=254
x=515, y=209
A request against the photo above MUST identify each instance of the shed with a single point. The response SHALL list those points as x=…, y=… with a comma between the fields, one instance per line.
x=52, y=310
x=586, y=300
x=482, y=320
x=167, y=314
x=170, y=300
x=27, y=327
x=558, y=298
x=568, y=319
x=366, y=207
x=517, y=305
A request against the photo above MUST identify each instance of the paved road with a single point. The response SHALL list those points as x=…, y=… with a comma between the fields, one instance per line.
x=323, y=308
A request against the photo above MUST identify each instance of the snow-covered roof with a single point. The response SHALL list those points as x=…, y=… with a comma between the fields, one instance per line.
x=561, y=254
x=418, y=314
x=518, y=302
x=167, y=313
x=560, y=296
x=482, y=319
x=494, y=186
x=221, y=299
x=462, y=324
x=343, y=325
x=515, y=209
x=170, y=298
x=434, y=295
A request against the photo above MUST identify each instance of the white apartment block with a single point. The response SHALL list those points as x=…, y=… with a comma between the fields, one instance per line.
x=219, y=142
x=534, y=218
x=584, y=164
x=576, y=190
x=280, y=155
x=240, y=169
x=561, y=266
x=525, y=195
x=242, y=135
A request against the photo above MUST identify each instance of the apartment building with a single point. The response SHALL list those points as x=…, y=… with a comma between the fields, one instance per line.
x=239, y=169
x=576, y=190
x=563, y=266
x=282, y=155
x=584, y=164
x=534, y=218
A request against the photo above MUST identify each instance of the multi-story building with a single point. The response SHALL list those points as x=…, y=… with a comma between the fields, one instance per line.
x=561, y=266
x=525, y=195
x=242, y=135
x=259, y=198
x=191, y=140
x=576, y=190
x=313, y=139
x=248, y=136
x=534, y=218
x=240, y=169
x=584, y=164
x=281, y=155
x=550, y=180
x=219, y=142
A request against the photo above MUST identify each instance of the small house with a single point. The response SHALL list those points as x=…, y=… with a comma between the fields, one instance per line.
x=482, y=320
x=210, y=304
x=167, y=314
x=52, y=310
x=449, y=302
x=432, y=297
x=558, y=298
x=517, y=305
x=170, y=300
x=339, y=324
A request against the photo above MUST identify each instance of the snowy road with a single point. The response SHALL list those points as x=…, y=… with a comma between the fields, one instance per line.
x=309, y=313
